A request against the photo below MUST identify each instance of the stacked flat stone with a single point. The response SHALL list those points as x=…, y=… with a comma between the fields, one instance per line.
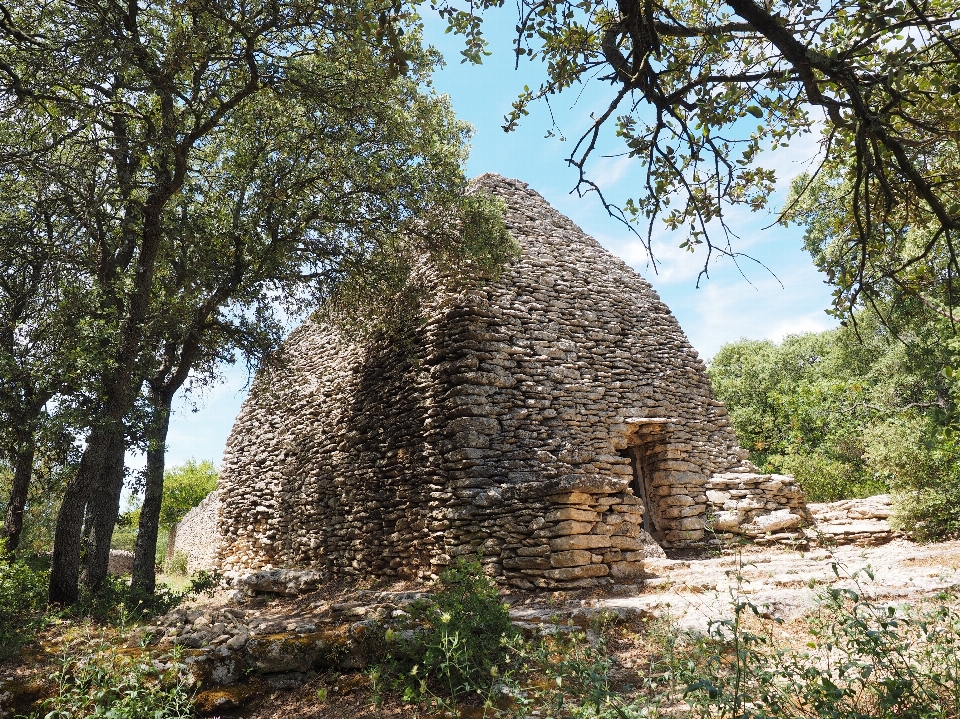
x=494, y=428
x=197, y=535
x=764, y=507
x=120, y=562
x=864, y=522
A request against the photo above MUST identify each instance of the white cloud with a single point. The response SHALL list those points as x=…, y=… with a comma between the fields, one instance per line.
x=812, y=322
x=608, y=171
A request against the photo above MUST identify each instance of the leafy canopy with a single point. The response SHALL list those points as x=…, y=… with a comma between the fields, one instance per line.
x=701, y=88
x=184, y=487
x=216, y=168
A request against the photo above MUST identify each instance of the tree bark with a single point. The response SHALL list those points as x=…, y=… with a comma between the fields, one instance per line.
x=22, y=472
x=22, y=454
x=105, y=508
x=65, y=569
x=145, y=556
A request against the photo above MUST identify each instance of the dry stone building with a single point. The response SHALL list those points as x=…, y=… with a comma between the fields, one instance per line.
x=196, y=536
x=554, y=422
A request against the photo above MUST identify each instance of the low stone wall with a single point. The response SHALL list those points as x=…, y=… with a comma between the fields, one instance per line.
x=864, y=522
x=198, y=536
x=766, y=507
x=121, y=562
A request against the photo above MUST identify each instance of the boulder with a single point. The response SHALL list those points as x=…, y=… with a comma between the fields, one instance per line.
x=285, y=582
x=775, y=521
x=286, y=653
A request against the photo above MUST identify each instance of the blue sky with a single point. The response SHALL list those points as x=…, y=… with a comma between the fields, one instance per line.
x=726, y=306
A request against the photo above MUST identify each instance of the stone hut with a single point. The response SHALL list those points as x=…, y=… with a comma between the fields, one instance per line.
x=554, y=422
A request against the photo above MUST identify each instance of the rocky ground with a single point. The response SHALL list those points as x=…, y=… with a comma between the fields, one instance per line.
x=280, y=638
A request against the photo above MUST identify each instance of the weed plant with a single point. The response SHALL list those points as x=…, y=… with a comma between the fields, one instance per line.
x=862, y=659
x=451, y=645
x=856, y=658
x=562, y=674
x=23, y=601
x=99, y=682
x=178, y=564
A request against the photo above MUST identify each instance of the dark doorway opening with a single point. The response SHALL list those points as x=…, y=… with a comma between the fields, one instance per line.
x=641, y=487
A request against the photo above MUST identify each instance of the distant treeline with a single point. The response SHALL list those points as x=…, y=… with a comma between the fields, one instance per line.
x=862, y=409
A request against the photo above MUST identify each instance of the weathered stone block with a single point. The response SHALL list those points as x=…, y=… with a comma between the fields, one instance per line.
x=572, y=558
x=626, y=542
x=585, y=572
x=569, y=527
x=527, y=563
x=717, y=496
x=572, y=498
x=576, y=513
x=284, y=652
x=728, y=521
x=626, y=570
x=684, y=537
x=580, y=541
x=774, y=522
x=540, y=551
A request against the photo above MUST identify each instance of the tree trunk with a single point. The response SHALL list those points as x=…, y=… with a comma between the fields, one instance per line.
x=65, y=570
x=23, y=453
x=22, y=471
x=145, y=556
x=118, y=389
x=105, y=508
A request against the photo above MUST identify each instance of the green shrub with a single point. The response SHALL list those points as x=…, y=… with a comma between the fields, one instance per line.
x=922, y=469
x=456, y=639
x=184, y=487
x=125, y=538
x=824, y=479
x=203, y=582
x=102, y=683
x=23, y=601
x=178, y=565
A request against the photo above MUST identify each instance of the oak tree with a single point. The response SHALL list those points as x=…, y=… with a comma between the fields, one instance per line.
x=703, y=91
x=235, y=153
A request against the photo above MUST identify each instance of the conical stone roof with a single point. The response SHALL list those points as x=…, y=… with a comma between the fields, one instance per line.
x=525, y=421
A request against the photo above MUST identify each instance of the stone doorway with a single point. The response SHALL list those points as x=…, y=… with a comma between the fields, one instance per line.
x=642, y=488
x=648, y=445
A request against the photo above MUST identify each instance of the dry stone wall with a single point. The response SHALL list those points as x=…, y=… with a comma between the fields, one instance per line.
x=197, y=535
x=766, y=507
x=120, y=562
x=863, y=522
x=549, y=422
